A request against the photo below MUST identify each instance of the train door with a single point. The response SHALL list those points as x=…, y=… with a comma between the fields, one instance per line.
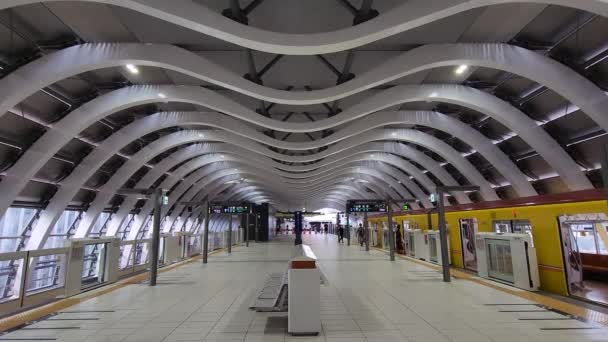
x=468, y=229
x=584, y=239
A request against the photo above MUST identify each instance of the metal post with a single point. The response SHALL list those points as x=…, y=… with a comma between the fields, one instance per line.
x=256, y=227
x=391, y=237
x=158, y=198
x=206, y=235
x=247, y=230
x=347, y=229
x=443, y=236
x=23, y=288
x=229, y=233
x=367, y=236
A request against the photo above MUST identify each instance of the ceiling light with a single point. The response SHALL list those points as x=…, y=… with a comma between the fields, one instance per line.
x=371, y=155
x=201, y=135
x=461, y=69
x=162, y=96
x=132, y=69
x=223, y=156
x=394, y=134
x=434, y=94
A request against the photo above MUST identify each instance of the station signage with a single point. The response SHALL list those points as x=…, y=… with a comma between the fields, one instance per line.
x=366, y=206
x=229, y=208
x=407, y=207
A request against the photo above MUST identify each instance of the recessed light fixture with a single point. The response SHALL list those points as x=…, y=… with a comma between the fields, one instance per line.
x=461, y=69
x=394, y=134
x=162, y=96
x=132, y=69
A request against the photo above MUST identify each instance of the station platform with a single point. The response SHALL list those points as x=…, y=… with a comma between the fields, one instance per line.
x=368, y=298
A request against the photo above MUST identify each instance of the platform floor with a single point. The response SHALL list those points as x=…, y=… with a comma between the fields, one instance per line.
x=368, y=299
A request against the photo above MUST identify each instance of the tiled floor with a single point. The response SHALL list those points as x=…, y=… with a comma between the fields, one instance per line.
x=368, y=299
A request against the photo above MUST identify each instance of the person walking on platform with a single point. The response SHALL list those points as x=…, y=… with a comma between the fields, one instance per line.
x=361, y=234
x=326, y=228
x=340, y=234
x=398, y=239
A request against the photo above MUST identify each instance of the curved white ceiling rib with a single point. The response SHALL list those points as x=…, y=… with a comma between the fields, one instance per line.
x=197, y=150
x=412, y=14
x=66, y=63
x=210, y=174
x=169, y=182
x=64, y=130
x=92, y=162
x=188, y=153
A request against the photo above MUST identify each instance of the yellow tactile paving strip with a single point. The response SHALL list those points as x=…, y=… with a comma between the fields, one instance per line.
x=37, y=313
x=549, y=302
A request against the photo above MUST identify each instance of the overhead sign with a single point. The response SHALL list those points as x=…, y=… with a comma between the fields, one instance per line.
x=165, y=200
x=229, y=208
x=407, y=207
x=366, y=206
x=291, y=214
x=433, y=198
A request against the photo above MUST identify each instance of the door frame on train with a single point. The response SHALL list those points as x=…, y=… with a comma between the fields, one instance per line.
x=467, y=243
x=573, y=264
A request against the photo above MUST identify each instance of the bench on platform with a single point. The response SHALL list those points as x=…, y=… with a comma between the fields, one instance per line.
x=273, y=295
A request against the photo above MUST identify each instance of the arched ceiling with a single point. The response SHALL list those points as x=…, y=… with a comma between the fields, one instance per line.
x=297, y=103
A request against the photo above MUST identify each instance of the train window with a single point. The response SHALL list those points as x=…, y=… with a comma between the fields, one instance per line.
x=502, y=226
x=602, y=237
x=584, y=234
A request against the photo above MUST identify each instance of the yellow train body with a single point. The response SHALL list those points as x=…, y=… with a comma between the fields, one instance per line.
x=545, y=231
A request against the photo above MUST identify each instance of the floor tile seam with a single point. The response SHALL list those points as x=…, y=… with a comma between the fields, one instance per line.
x=223, y=314
x=420, y=317
x=45, y=310
x=573, y=309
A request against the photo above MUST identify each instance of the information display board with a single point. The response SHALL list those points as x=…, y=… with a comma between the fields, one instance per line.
x=366, y=206
x=229, y=208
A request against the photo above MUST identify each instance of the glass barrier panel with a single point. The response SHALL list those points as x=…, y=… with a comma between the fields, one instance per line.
x=8, y=279
x=46, y=273
x=93, y=266
x=141, y=253
x=126, y=259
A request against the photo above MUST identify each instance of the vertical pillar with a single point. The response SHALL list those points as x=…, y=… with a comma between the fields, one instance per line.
x=298, y=227
x=367, y=236
x=247, y=230
x=230, y=233
x=257, y=223
x=391, y=236
x=206, y=235
x=347, y=228
x=158, y=201
x=443, y=236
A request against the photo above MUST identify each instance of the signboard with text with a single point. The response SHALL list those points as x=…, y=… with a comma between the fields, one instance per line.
x=229, y=208
x=366, y=206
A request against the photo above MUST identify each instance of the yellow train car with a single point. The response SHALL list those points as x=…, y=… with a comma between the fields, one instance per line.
x=551, y=225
